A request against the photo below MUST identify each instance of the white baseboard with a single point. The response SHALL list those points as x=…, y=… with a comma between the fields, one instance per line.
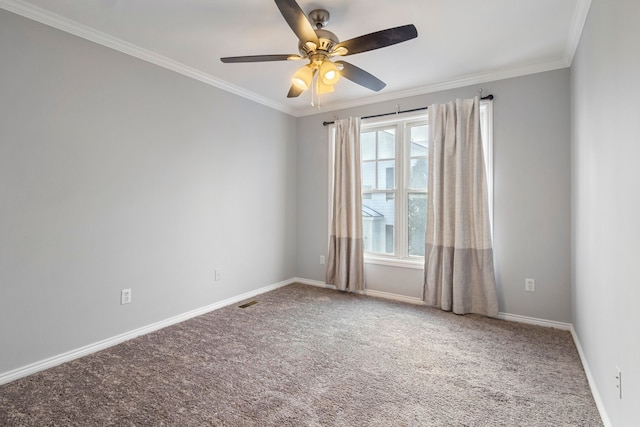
x=394, y=297
x=413, y=300
x=535, y=321
x=368, y=292
x=50, y=362
x=591, y=381
x=567, y=327
x=310, y=282
x=32, y=368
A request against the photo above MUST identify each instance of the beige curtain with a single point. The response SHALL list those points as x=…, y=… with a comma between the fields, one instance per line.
x=345, y=266
x=459, y=272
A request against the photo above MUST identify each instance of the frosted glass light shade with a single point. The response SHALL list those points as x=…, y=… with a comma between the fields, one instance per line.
x=302, y=78
x=329, y=73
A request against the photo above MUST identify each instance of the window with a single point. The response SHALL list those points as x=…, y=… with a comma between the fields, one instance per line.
x=394, y=187
x=394, y=156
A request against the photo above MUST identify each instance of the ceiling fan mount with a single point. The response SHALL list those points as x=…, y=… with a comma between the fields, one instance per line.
x=319, y=18
x=318, y=46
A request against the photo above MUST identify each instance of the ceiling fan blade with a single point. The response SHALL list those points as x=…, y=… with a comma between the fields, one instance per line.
x=360, y=76
x=259, y=58
x=379, y=39
x=297, y=20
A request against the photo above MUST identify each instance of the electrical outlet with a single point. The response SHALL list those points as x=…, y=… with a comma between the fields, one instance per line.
x=619, y=382
x=322, y=259
x=125, y=296
x=217, y=275
x=530, y=285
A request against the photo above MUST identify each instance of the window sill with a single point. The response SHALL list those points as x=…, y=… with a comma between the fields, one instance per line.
x=394, y=262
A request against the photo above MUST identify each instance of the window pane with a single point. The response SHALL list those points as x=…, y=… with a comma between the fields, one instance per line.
x=417, y=222
x=418, y=174
x=368, y=145
x=419, y=149
x=386, y=174
x=387, y=144
x=378, y=222
x=368, y=175
x=419, y=138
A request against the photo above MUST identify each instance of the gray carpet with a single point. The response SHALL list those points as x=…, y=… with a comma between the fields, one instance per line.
x=306, y=356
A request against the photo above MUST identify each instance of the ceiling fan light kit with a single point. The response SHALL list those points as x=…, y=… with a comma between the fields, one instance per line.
x=329, y=73
x=323, y=88
x=302, y=78
x=319, y=45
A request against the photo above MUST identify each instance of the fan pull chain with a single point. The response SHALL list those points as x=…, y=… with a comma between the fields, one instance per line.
x=317, y=91
x=314, y=90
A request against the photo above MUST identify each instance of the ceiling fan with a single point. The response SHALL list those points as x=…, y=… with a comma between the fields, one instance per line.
x=318, y=46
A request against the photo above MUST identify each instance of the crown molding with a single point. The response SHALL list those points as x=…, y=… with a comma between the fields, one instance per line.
x=56, y=21
x=580, y=15
x=72, y=27
x=437, y=87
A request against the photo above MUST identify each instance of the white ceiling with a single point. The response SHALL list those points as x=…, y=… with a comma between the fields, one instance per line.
x=460, y=42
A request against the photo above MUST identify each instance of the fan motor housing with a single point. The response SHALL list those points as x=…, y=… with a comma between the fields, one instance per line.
x=326, y=42
x=326, y=39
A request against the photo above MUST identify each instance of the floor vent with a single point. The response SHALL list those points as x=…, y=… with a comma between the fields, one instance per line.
x=249, y=304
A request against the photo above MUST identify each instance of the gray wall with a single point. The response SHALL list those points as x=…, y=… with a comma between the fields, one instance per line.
x=531, y=194
x=115, y=173
x=606, y=202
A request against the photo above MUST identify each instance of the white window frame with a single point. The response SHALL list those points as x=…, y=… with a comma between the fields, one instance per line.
x=402, y=122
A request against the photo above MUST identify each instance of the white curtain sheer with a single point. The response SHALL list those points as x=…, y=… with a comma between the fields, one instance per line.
x=459, y=272
x=345, y=264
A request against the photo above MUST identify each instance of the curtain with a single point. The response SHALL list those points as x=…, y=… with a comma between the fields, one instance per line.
x=459, y=272
x=345, y=264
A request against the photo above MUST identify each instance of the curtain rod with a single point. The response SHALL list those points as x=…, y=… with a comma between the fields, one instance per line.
x=484, y=98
